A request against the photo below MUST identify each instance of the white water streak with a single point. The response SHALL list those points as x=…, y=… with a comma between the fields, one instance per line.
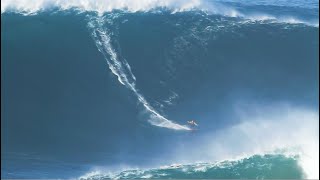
x=121, y=68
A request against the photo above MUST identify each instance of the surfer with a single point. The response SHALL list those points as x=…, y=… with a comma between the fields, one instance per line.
x=192, y=122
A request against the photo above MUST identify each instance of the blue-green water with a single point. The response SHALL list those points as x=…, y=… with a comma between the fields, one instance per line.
x=104, y=88
x=255, y=167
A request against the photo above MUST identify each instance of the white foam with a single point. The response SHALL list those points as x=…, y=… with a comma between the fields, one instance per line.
x=33, y=6
x=201, y=167
x=147, y=176
x=121, y=68
x=91, y=174
x=279, y=19
x=30, y=7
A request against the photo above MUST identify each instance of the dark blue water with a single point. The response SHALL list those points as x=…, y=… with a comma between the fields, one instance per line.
x=64, y=111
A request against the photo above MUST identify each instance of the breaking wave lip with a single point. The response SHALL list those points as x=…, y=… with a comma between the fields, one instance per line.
x=274, y=19
x=121, y=68
x=31, y=7
x=100, y=6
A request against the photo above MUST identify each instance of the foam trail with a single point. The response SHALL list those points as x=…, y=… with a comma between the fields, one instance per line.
x=121, y=68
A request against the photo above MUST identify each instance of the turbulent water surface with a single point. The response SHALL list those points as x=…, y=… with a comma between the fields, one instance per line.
x=103, y=89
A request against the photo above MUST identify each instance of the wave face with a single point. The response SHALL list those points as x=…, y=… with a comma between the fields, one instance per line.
x=117, y=81
x=255, y=167
x=106, y=30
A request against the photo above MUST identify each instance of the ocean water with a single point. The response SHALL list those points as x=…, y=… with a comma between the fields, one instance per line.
x=104, y=89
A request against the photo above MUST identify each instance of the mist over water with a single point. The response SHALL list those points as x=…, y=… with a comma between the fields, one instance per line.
x=104, y=89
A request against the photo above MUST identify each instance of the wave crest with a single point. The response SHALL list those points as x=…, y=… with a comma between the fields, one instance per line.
x=101, y=6
x=254, y=167
x=30, y=7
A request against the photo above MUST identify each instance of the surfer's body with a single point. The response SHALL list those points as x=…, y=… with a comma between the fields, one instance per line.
x=192, y=123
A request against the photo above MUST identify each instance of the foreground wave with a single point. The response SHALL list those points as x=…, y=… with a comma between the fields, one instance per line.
x=255, y=167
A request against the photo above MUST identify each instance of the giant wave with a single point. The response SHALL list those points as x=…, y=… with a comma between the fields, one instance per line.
x=209, y=39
